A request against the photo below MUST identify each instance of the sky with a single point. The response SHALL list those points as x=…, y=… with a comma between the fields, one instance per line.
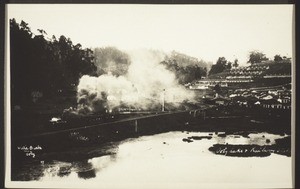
x=202, y=31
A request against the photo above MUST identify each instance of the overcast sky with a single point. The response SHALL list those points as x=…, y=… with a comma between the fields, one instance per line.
x=203, y=31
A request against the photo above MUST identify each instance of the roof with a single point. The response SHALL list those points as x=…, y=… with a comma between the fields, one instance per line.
x=271, y=101
x=221, y=98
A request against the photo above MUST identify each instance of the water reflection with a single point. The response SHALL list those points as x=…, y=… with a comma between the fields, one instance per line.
x=87, y=174
x=64, y=171
x=165, y=158
x=102, y=162
x=253, y=138
x=85, y=169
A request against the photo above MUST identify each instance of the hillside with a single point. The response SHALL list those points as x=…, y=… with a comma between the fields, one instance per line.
x=258, y=70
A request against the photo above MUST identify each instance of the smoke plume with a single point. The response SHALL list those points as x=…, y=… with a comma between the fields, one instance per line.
x=146, y=85
x=111, y=59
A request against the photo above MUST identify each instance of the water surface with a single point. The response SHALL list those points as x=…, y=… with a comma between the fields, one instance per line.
x=165, y=160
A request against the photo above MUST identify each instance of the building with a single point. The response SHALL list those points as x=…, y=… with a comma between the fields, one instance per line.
x=269, y=71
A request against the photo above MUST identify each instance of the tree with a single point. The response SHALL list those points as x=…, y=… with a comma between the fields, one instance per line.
x=43, y=65
x=256, y=57
x=220, y=66
x=111, y=59
x=229, y=65
x=185, y=68
x=277, y=58
x=217, y=88
x=235, y=63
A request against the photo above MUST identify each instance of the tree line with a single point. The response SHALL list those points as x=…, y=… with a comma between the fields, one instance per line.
x=186, y=68
x=254, y=57
x=43, y=65
x=47, y=65
x=258, y=57
x=221, y=65
x=115, y=61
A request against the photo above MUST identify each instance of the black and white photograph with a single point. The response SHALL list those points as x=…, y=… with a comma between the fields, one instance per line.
x=149, y=96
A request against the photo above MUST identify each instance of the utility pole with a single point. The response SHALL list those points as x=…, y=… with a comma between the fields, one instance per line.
x=136, y=125
x=163, y=101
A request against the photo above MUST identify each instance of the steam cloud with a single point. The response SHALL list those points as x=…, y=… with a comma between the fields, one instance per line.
x=145, y=85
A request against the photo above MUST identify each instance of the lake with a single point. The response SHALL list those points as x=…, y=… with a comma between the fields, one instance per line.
x=165, y=160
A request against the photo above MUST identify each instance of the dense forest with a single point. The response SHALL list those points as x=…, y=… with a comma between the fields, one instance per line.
x=43, y=66
x=186, y=68
x=111, y=59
